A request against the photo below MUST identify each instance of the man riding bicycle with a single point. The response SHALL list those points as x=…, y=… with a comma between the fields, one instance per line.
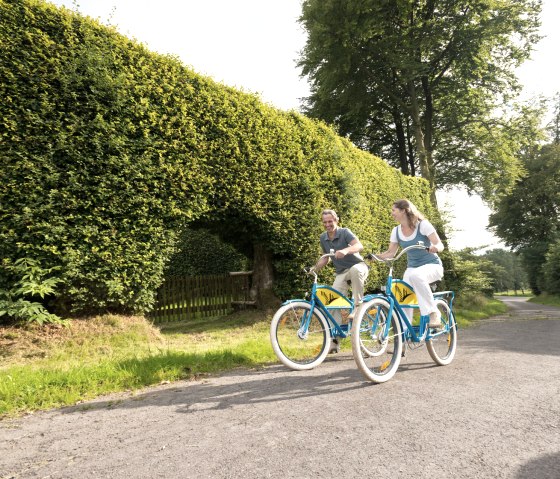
x=348, y=263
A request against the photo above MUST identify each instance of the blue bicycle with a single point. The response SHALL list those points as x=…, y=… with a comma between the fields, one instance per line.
x=382, y=329
x=301, y=331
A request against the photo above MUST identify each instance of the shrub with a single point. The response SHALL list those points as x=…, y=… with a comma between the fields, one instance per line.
x=200, y=252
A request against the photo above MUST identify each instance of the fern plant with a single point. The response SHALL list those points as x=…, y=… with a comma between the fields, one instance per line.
x=31, y=282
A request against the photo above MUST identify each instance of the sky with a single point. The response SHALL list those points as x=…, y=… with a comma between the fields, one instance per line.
x=253, y=45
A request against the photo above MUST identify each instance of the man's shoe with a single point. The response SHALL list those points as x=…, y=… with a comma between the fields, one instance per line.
x=335, y=347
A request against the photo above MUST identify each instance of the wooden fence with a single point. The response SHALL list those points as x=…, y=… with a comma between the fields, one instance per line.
x=182, y=298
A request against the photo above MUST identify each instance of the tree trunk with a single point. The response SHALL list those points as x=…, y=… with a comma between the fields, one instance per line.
x=411, y=155
x=428, y=136
x=401, y=142
x=263, y=278
x=424, y=155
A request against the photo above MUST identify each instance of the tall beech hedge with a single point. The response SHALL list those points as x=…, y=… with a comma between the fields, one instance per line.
x=108, y=150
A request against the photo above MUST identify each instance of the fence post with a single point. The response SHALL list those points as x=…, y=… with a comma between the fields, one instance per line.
x=242, y=279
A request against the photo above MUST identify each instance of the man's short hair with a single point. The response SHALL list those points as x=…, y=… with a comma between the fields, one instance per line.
x=330, y=212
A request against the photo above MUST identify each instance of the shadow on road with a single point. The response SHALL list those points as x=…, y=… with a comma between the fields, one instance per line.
x=273, y=384
x=269, y=385
x=544, y=467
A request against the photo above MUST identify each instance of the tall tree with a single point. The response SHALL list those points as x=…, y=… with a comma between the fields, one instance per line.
x=528, y=219
x=418, y=82
x=554, y=125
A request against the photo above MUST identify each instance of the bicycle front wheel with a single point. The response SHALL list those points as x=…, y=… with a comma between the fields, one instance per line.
x=300, y=340
x=377, y=341
x=443, y=344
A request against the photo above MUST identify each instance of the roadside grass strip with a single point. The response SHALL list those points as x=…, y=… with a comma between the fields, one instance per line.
x=50, y=367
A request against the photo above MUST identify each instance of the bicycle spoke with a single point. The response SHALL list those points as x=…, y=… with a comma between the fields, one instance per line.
x=298, y=337
x=376, y=341
x=442, y=344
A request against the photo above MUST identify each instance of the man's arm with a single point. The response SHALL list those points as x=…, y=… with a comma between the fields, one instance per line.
x=321, y=263
x=355, y=246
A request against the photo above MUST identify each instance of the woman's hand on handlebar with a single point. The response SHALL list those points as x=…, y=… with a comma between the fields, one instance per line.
x=377, y=257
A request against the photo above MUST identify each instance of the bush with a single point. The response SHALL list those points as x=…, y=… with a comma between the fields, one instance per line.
x=465, y=273
x=93, y=169
x=200, y=252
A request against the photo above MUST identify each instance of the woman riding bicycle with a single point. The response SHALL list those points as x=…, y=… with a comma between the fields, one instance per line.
x=424, y=266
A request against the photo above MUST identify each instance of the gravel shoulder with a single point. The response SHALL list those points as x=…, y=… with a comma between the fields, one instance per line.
x=494, y=412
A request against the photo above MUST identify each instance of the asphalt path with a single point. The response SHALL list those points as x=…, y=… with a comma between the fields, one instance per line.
x=493, y=413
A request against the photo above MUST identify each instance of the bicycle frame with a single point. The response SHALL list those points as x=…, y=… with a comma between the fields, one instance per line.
x=337, y=329
x=382, y=328
x=409, y=331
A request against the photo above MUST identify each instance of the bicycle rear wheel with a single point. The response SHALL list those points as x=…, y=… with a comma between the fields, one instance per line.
x=377, y=341
x=443, y=344
x=300, y=340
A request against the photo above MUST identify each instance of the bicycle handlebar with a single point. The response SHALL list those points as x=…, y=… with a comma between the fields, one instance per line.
x=395, y=258
x=371, y=256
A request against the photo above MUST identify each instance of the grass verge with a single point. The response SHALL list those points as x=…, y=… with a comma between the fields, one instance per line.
x=511, y=292
x=469, y=308
x=54, y=366
x=548, y=299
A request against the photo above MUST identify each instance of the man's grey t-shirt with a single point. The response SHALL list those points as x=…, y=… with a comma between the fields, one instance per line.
x=342, y=239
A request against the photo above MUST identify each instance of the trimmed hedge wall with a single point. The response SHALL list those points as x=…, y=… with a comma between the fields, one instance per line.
x=109, y=150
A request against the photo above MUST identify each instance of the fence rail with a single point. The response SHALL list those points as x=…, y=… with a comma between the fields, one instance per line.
x=182, y=298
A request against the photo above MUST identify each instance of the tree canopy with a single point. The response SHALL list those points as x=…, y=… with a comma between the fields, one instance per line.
x=528, y=219
x=419, y=82
x=505, y=270
x=531, y=213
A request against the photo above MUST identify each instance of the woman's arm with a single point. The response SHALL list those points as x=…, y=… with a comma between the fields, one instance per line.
x=391, y=251
x=437, y=245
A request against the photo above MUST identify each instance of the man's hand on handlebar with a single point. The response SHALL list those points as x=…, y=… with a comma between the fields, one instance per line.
x=339, y=254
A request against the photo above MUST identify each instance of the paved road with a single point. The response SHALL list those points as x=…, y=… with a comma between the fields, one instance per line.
x=493, y=413
x=521, y=309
